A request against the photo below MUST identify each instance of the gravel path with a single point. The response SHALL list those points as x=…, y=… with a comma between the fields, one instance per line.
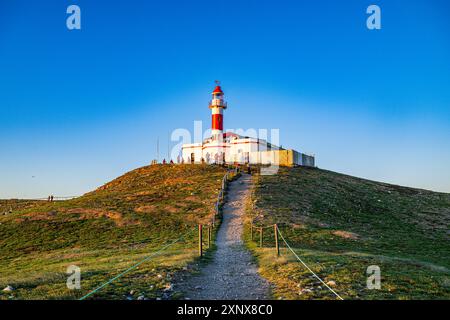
x=232, y=273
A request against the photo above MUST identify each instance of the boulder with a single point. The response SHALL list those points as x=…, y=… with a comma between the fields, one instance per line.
x=331, y=283
x=8, y=289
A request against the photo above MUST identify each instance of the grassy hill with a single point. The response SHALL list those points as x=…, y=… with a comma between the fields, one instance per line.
x=105, y=232
x=340, y=225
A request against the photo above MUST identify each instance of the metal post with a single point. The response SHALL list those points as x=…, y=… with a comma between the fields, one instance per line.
x=275, y=229
x=200, y=240
x=260, y=237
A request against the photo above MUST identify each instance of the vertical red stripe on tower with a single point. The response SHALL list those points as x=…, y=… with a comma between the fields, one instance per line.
x=217, y=122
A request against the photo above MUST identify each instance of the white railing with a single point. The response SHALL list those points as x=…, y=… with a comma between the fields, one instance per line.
x=217, y=102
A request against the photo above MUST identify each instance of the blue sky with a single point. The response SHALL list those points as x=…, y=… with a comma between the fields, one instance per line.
x=81, y=107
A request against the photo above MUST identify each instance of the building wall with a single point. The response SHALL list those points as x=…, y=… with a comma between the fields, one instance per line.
x=240, y=149
x=287, y=158
x=237, y=150
x=280, y=157
x=196, y=149
x=308, y=161
x=243, y=151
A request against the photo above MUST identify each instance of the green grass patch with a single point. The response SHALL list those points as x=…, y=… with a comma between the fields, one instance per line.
x=106, y=231
x=340, y=225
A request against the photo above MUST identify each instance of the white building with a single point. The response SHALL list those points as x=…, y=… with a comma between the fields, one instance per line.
x=232, y=148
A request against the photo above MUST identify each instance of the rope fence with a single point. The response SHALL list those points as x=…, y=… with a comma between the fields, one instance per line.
x=305, y=265
x=276, y=233
x=136, y=265
x=230, y=174
x=254, y=225
x=209, y=227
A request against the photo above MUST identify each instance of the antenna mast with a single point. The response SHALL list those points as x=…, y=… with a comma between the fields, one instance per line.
x=157, y=149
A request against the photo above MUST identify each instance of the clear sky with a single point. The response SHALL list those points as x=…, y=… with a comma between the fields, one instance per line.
x=78, y=108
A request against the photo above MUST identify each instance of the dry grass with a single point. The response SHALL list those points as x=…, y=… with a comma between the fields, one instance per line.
x=106, y=231
x=340, y=225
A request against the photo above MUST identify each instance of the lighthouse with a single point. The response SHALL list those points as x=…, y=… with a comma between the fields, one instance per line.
x=229, y=147
x=217, y=105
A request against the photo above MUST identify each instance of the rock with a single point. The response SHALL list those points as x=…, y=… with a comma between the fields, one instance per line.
x=198, y=288
x=331, y=283
x=159, y=276
x=169, y=287
x=141, y=297
x=158, y=298
x=131, y=292
x=8, y=289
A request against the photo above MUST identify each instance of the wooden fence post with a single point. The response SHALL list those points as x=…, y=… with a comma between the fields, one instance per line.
x=260, y=237
x=251, y=231
x=275, y=229
x=200, y=240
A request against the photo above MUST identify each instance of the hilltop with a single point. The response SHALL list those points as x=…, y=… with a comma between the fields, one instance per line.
x=105, y=231
x=340, y=225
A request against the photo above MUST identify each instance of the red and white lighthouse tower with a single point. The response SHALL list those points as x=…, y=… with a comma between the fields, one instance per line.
x=217, y=105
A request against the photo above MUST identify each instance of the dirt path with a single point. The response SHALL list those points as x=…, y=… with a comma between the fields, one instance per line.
x=232, y=274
